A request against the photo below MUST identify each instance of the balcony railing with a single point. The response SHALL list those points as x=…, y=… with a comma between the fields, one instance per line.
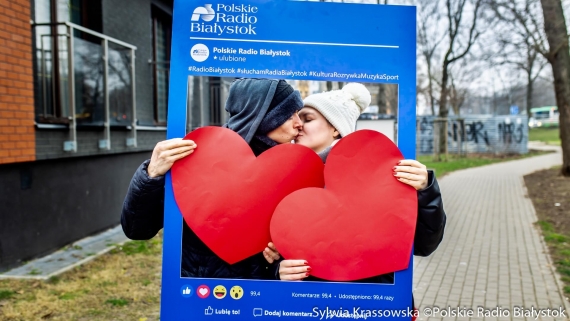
x=85, y=79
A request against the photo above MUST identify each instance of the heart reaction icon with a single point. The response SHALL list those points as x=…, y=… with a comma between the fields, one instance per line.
x=203, y=291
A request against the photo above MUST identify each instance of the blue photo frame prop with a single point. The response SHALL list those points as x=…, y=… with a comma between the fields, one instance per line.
x=301, y=40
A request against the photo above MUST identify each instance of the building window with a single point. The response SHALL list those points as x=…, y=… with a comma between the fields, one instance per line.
x=161, y=34
x=52, y=56
x=215, y=101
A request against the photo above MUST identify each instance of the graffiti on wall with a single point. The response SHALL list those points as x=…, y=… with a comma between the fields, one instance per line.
x=476, y=134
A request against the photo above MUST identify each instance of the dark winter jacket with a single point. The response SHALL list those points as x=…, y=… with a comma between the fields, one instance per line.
x=429, y=227
x=142, y=218
x=143, y=209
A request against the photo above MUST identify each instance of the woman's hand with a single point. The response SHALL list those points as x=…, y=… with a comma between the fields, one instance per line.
x=166, y=152
x=413, y=173
x=270, y=253
x=294, y=270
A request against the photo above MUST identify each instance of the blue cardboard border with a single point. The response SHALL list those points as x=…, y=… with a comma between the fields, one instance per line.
x=383, y=40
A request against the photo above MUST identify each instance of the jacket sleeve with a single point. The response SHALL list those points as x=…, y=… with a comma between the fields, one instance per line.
x=143, y=209
x=431, y=218
x=274, y=273
x=261, y=269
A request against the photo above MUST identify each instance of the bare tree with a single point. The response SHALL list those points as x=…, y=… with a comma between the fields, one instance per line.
x=387, y=99
x=429, y=39
x=457, y=49
x=518, y=46
x=459, y=46
x=381, y=99
x=457, y=96
x=559, y=57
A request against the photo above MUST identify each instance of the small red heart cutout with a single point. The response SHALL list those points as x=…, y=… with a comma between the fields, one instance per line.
x=361, y=224
x=227, y=195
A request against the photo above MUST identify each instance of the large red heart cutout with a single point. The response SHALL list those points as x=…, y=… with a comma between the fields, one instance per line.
x=227, y=195
x=361, y=224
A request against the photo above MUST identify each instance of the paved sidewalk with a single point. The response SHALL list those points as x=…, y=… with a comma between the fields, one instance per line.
x=492, y=254
x=75, y=254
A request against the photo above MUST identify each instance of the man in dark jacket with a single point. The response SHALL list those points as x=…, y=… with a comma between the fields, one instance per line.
x=264, y=113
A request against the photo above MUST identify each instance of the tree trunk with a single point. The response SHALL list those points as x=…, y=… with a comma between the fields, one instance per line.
x=529, y=85
x=381, y=100
x=559, y=58
x=430, y=87
x=443, y=110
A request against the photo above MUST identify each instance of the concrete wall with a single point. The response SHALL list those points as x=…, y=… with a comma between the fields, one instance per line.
x=48, y=204
x=479, y=134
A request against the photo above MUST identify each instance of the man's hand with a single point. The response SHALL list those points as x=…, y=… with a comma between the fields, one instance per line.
x=165, y=153
x=270, y=253
x=413, y=173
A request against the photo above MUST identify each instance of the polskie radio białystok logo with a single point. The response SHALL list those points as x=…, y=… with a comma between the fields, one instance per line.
x=226, y=19
x=206, y=13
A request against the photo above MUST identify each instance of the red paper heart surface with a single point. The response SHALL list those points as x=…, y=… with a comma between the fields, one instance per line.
x=227, y=195
x=361, y=224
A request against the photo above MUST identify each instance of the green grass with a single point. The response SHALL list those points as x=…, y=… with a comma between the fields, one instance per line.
x=547, y=135
x=561, y=250
x=123, y=284
x=35, y=271
x=455, y=162
x=68, y=296
x=117, y=302
x=141, y=247
x=95, y=312
x=6, y=294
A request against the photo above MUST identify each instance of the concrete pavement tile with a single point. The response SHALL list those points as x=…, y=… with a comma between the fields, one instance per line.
x=491, y=249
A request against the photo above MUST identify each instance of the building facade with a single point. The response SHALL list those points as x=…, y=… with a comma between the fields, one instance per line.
x=83, y=101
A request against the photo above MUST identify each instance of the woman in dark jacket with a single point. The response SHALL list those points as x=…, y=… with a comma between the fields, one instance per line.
x=327, y=117
x=264, y=113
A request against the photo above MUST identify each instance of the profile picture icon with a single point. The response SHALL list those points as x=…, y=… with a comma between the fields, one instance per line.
x=199, y=52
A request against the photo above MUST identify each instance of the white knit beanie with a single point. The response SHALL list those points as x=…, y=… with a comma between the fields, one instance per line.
x=341, y=107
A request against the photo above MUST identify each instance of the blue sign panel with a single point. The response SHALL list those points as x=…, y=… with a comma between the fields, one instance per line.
x=293, y=40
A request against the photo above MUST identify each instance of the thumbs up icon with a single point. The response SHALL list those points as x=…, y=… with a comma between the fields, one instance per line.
x=208, y=311
x=186, y=291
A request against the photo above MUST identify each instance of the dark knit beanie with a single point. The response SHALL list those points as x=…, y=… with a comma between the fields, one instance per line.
x=286, y=101
x=282, y=91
